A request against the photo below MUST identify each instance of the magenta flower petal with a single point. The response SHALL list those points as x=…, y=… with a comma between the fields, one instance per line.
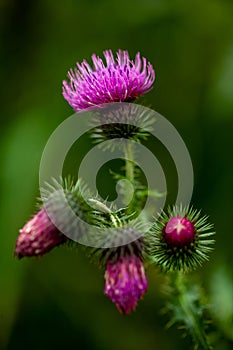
x=38, y=236
x=118, y=80
x=125, y=282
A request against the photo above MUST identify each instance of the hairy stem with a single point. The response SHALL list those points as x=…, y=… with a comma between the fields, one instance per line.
x=129, y=162
x=129, y=168
x=190, y=311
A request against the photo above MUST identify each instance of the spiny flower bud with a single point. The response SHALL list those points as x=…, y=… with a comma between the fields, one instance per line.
x=38, y=236
x=179, y=240
x=125, y=278
x=125, y=282
x=51, y=225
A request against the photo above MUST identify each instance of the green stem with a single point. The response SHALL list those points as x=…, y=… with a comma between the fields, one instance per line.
x=192, y=318
x=129, y=168
x=129, y=163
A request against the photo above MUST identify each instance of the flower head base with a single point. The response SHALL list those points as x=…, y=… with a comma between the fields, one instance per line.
x=180, y=240
x=121, y=122
x=119, y=80
x=38, y=236
x=125, y=282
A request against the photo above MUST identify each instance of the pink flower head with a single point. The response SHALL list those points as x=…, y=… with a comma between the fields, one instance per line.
x=179, y=232
x=118, y=80
x=38, y=236
x=125, y=282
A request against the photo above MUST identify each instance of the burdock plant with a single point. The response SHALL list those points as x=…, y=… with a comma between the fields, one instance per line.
x=178, y=241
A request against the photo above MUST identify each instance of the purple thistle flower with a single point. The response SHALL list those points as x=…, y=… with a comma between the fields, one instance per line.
x=119, y=80
x=125, y=282
x=38, y=236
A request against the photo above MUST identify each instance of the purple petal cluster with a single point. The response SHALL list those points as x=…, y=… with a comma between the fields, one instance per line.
x=118, y=80
x=38, y=236
x=125, y=282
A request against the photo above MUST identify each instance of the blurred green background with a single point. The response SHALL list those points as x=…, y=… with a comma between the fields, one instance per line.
x=57, y=301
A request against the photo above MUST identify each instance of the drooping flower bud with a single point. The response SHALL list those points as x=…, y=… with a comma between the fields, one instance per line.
x=38, y=236
x=56, y=221
x=125, y=278
x=126, y=282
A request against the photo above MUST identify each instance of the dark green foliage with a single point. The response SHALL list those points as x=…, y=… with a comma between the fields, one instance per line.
x=187, y=309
